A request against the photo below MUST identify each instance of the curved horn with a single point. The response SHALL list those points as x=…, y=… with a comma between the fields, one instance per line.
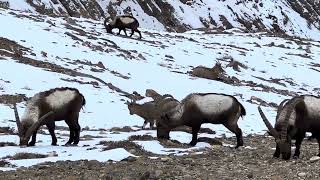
x=17, y=118
x=291, y=108
x=273, y=132
x=37, y=124
x=280, y=107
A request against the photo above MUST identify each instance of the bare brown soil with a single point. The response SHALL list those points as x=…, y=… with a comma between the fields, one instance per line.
x=219, y=162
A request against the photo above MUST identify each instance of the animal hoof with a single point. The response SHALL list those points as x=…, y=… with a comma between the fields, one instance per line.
x=295, y=157
x=192, y=143
x=54, y=144
x=31, y=144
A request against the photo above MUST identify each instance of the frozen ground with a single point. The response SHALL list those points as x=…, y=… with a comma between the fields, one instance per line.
x=160, y=61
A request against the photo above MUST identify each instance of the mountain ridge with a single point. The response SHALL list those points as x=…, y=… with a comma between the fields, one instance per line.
x=295, y=18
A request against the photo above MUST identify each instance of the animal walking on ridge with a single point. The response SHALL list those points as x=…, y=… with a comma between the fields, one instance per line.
x=199, y=108
x=123, y=22
x=46, y=108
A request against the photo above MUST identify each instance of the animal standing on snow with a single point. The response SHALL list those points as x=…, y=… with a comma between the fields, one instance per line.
x=299, y=115
x=146, y=111
x=151, y=111
x=199, y=108
x=123, y=22
x=46, y=108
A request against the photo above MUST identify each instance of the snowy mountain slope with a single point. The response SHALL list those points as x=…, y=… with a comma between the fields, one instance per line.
x=295, y=17
x=39, y=52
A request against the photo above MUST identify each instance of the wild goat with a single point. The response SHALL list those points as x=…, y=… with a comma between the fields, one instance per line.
x=147, y=111
x=151, y=111
x=199, y=108
x=123, y=22
x=299, y=115
x=46, y=108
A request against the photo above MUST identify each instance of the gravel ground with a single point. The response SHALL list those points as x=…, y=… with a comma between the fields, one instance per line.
x=219, y=162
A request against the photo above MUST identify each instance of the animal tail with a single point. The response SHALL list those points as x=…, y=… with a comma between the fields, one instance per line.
x=83, y=100
x=243, y=110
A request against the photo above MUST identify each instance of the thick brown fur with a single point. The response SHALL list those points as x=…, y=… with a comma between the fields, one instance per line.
x=69, y=112
x=147, y=111
x=193, y=117
x=303, y=123
x=117, y=23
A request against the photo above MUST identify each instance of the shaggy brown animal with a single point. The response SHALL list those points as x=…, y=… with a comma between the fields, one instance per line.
x=199, y=108
x=46, y=108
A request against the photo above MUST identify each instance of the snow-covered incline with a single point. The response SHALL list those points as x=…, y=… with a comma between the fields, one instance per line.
x=295, y=17
x=39, y=52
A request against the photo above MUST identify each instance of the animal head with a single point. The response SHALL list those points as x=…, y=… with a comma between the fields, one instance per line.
x=151, y=93
x=163, y=129
x=168, y=116
x=26, y=129
x=281, y=134
x=131, y=106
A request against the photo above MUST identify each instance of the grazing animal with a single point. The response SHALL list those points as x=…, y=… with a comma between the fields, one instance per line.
x=123, y=22
x=146, y=111
x=299, y=115
x=199, y=108
x=46, y=108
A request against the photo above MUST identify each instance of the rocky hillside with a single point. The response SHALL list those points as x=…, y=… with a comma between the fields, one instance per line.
x=291, y=17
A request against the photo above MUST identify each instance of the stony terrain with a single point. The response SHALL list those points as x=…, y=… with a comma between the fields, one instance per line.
x=246, y=55
x=218, y=162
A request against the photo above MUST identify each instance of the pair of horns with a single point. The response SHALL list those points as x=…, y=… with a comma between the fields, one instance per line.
x=284, y=125
x=34, y=127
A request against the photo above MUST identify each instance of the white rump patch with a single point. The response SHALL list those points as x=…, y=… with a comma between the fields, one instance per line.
x=212, y=103
x=59, y=98
x=32, y=111
x=313, y=105
x=127, y=20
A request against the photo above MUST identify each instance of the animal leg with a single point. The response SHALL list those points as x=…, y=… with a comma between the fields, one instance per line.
x=119, y=31
x=71, y=129
x=318, y=139
x=277, y=152
x=125, y=32
x=152, y=124
x=33, y=139
x=77, y=129
x=132, y=31
x=299, y=139
x=144, y=124
x=233, y=127
x=51, y=127
x=195, y=131
x=139, y=33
